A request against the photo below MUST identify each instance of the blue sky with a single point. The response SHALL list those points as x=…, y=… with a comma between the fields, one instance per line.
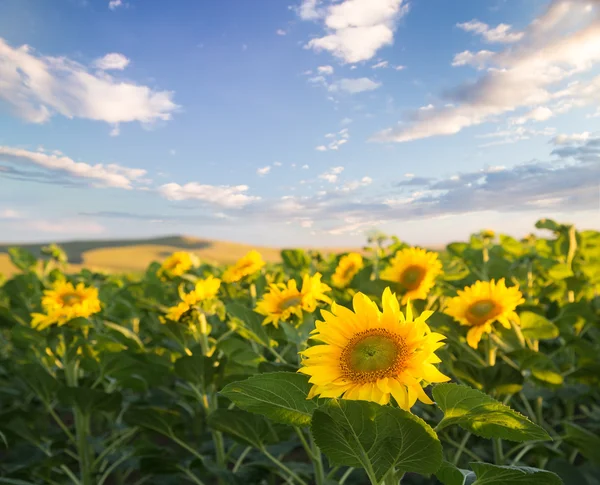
x=297, y=123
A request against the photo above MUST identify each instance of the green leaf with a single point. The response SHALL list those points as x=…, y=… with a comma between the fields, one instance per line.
x=191, y=368
x=542, y=368
x=511, y=475
x=157, y=419
x=129, y=334
x=537, y=327
x=449, y=474
x=560, y=271
x=88, y=400
x=39, y=380
x=13, y=481
x=280, y=396
x=377, y=438
x=22, y=258
x=252, y=328
x=586, y=442
x=483, y=416
x=247, y=428
x=295, y=259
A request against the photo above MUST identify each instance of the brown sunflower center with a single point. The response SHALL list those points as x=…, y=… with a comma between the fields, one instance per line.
x=348, y=270
x=412, y=277
x=373, y=354
x=290, y=302
x=481, y=311
x=70, y=299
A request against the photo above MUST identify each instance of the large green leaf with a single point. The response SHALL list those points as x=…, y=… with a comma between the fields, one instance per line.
x=481, y=415
x=247, y=428
x=449, y=474
x=376, y=438
x=161, y=420
x=511, y=475
x=88, y=400
x=280, y=396
x=537, y=327
x=586, y=442
x=252, y=328
x=39, y=380
x=22, y=258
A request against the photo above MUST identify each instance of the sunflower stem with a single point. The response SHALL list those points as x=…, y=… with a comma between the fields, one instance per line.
x=461, y=448
x=318, y=463
x=283, y=467
x=491, y=351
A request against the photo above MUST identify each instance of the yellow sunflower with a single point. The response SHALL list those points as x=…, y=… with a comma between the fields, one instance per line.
x=204, y=290
x=371, y=355
x=64, y=302
x=247, y=265
x=282, y=301
x=415, y=271
x=347, y=268
x=177, y=264
x=483, y=303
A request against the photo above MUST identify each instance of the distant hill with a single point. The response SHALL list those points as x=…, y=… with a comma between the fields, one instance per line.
x=134, y=255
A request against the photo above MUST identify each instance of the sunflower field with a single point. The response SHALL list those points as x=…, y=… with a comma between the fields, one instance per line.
x=478, y=364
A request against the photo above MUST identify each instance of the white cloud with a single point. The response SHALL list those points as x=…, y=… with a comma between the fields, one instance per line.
x=116, y=130
x=321, y=148
x=114, y=4
x=334, y=145
x=477, y=59
x=327, y=70
x=305, y=167
x=541, y=113
x=280, y=32
x=354, y=86
x=356, y=29
x=527, y=75
x=263, y=171
x=113, y=61
x=10, y=214
x=39, y=86
x=380, y=65
x=499, y=34
x=350, y=186
x=569, y=139
x=346, y=121
x=100, y=175
x=514, y=135
x=222, y=195
x=400, y=68
x=331, y=175
x=172, y=152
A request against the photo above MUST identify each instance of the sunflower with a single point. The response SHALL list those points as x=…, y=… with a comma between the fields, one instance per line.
x=64, y=302
x=246, y=266
x=483, y=303
x=282, y=301
x=346, y=269
x=205, y=289
x=177, y=264
x=414, y=270
x=371, y=355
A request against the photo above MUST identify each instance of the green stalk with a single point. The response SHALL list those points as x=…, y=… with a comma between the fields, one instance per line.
x=318, y=463
x=461, y=448
x=284, y=468
x=491, y=350
x=346, y=475
x=497, y=445
x=240, y=460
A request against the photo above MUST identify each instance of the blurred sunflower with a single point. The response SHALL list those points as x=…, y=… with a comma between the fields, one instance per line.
x=282, y=301
x=371, y=355
x=247, y=265
x=415, y=270
x=177, y=264
x=483, y=303
x=346, y=269
x=64, y=302
x=205, y=289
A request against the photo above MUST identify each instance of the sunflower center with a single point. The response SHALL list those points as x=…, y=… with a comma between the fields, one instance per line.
x=481, y=311
x=70, y=299
x=290, y=302
x=373, y=354
x=412, y=276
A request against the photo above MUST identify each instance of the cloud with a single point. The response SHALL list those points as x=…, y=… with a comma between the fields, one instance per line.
x=114, y=4
x=327, y=70
x=280, y=32
x=541, y=113
x=321, y=148
x=113, y=61
x=264, y=170
x=305, y=167
x=100, y=175
x=346, y=121
x=570, y=139
x=513, y=135
x=563, y=42
x=499, y=34
x=353, y=86
x=221, y=195
x=337, y=140
x=356, y=29
x=38, y=87
x=355, y=184
x=66, y=226
x=331, y=175
x=478, y=59
x=400, y=68
x=116, y=130
x=380, y=65
x=277, y=164
x=10, y=214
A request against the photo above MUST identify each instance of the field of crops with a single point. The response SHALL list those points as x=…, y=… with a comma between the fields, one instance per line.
x=478, y=365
